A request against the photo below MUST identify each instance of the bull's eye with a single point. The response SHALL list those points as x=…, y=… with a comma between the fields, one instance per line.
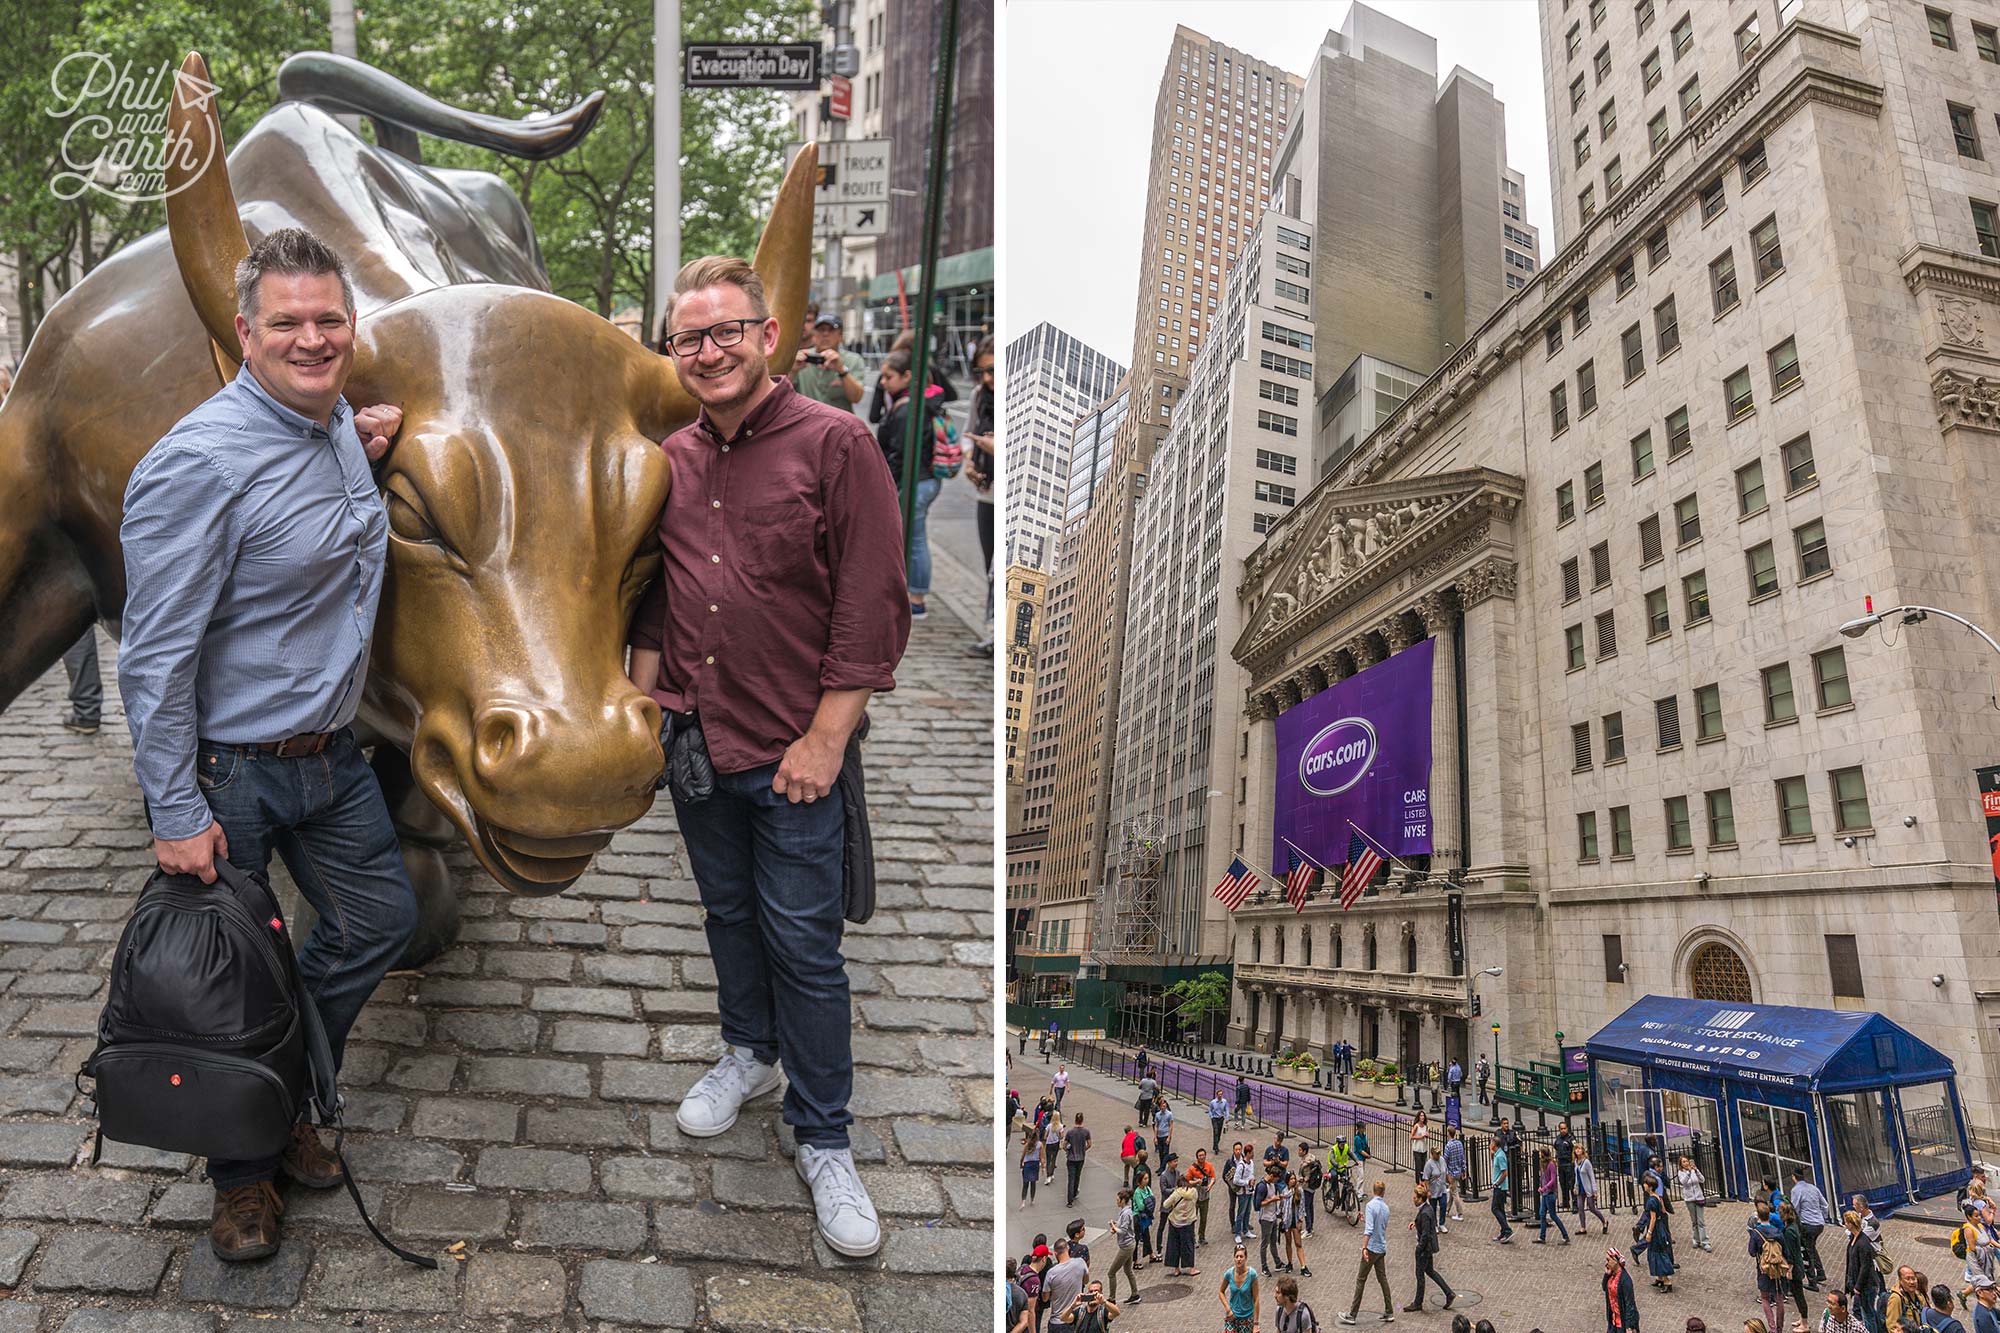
x=407, y=522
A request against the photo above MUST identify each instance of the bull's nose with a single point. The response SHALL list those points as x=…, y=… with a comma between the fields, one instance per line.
x=515, y=746
x=505, y=738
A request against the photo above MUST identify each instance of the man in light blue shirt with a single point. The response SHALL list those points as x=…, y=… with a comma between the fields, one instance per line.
x=1811, y=1207
x=254, y=543
x=1374, y=1255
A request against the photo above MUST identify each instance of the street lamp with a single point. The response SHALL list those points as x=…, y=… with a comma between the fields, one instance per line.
x=1493, y=972
x=1910, y=615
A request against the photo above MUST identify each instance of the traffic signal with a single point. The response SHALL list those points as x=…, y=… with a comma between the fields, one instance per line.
x=1475, y=1004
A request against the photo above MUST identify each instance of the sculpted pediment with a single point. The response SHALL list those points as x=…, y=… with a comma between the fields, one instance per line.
x=1345, y=541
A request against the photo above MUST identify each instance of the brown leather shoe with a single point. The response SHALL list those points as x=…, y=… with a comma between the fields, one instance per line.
x=308, y=1161
x=246, y=1222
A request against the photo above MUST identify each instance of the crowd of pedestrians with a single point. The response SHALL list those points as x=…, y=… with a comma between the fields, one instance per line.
x=1274, y=1193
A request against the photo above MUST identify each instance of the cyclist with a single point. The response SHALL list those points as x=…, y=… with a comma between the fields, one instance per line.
x=1341, y=1166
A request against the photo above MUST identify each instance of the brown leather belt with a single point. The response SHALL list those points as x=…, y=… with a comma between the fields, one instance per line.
x=306, y=742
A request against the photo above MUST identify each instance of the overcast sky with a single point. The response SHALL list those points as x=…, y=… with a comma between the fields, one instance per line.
x=1081, y=77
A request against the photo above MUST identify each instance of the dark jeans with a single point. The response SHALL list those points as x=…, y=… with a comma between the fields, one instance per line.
x=1815, y=1270
x=1426, y=1269
x=1215, y=1123
x=1500, y=1210
x=1270, y=1248
x=1239, y=1214
x=1075, y=1178
x=324, y=816
x=769, y=872
x=1545, y=1213
x=86, y=686
x=1566, y=1182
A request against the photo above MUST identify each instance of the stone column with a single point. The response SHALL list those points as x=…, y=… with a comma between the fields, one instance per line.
x=1364, y=652
x=1257, y=813
x=1395, y=632
x=1447, y=845
x=1493, y=715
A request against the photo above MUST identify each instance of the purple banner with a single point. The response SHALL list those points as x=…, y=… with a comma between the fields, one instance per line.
x=1359, y=750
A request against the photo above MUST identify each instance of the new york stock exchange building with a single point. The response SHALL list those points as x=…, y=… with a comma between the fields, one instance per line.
x=1621, y=530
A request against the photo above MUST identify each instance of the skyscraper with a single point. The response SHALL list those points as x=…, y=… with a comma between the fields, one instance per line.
x=1052, y=381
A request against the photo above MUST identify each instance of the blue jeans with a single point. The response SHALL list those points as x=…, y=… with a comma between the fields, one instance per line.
x=920, y=543
x=324, y=816
x=769, y=872
x=1545, y=1210
x=1239, y=1216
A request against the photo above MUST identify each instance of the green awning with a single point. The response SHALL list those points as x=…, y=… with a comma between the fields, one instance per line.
x=974, y=268
x=1052, y=962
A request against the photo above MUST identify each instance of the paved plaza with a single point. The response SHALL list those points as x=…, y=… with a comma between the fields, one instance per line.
x=513, y=1102
x=1518, y=1287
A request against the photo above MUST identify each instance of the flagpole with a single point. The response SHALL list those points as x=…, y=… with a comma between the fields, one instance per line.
x=1394, y=859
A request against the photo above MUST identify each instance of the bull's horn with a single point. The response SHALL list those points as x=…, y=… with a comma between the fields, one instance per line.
x=784, y=253
x=202, y=220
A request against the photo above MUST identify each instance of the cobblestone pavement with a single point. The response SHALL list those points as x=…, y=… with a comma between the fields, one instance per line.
x=514, y=1102
x=1519, y=1287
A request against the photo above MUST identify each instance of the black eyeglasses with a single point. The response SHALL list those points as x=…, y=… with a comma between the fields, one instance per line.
x=726, y=334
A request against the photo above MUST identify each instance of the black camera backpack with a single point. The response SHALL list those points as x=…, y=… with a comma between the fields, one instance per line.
x=209, y=1042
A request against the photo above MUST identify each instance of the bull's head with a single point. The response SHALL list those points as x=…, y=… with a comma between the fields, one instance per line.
x=523, y=497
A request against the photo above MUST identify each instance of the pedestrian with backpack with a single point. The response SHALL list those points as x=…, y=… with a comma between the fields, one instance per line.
x=1937, y=1315
x=1311, y=1176
x=1904, y=1312
x=1294, y=1315
x=1769, y=1265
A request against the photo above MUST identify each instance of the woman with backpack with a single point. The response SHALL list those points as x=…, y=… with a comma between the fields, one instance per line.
x=1794, y=1242
x=892, y=435
x=1142, y=1213
x=1768, y=1263
x=1863, y=1280
x=1031, y=1168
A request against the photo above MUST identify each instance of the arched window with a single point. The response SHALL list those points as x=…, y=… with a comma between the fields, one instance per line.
x=1256, y=945
x=1368, y=947
x=1716, y=973
x=1278, y=939
x=1409, y=947
x=1306, y=945
x=1336, y=946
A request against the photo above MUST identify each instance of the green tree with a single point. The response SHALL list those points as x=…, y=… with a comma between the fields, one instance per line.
x=1195, y=998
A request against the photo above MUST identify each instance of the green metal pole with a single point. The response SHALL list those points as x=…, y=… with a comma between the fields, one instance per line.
x=920, y=367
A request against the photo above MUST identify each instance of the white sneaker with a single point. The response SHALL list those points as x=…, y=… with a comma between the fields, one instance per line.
x=711, y=1105
x=845, y=1214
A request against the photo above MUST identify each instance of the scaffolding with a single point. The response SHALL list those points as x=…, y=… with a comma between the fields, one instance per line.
x=1134, y=927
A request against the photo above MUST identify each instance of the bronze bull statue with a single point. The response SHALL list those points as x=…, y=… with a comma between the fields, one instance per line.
x=523, y=490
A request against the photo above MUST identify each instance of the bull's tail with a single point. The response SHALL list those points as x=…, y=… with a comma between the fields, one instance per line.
x=344, y=86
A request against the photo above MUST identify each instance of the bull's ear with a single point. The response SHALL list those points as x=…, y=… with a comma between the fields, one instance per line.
x=202, y=220
x=784, y=253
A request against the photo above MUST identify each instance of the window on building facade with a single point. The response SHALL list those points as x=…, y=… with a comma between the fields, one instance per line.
x=1843, y=967
x=1582, y=146
x=1986, y=226
x=1850, y=801
x=1600, y=566
x=1573, y=647
x=1708, y=712
x=1290, y=291
x=1614, y=958
x=1276, y=462
x=1270, y=492
x=1687, y=520
x=1810, y=541
x=1666, y=328
x=1750, y=488
x=1680, y=836
x=1721, y=817
x=1667, y=722
x=1607, y=120
x=1642, y=455
x=1830, y=678
x=1607, y=634
x=1762, y=566
x=1263, y=522
x=1586, y=203
x=1650, y=72
x=1559, y=410
x=1642, y=15
x=1579, y=314
x=1800, y=470
x=1657, y=621
x=1573, y=40
x=1784, y=360
x=1690, y=108
x=1572, y=580
x=1593, y=486
x=1680, y=434
x=1940, y=23
x=1553, y=337
x=1683, y=36
x=1634, y=349
x=1747, y=41
x=1621, y=830
x=1722, y=282
x=1586, y=388
x=1985, y=42
x=1657, y=131
x=1780, y=705
x=1614, y=738
x=1601, y=64
x=1794, y=811
x=1657, y=250
x=1579, y=739
x=1586, y=836
x=1694, y=596
x=1765, y=246
x=1753, y=164
x=1649, y=539
x=1277, y=422
x=1737, y=399
x=1627, y=274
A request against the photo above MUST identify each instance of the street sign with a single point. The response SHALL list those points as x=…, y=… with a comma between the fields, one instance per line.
x=847, y=61
x=840, y=98
x=759, y=65
x=852, y=171
x=850, y=219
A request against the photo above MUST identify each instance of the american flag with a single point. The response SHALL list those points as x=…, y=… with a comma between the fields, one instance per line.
x=1236, y=885
x=1362, y=863
x=1300, y=882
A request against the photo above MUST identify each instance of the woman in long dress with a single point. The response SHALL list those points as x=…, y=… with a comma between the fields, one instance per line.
x=1658, y=1237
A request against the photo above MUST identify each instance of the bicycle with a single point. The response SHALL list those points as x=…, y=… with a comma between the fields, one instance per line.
x=1343, y=1196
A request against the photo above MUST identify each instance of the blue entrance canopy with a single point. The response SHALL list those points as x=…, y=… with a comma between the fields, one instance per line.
x=1824, y=1050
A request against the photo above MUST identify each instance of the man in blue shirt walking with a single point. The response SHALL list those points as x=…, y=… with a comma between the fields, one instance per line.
x=1374, y=1255
x=1811, y=1207
x=254, y=542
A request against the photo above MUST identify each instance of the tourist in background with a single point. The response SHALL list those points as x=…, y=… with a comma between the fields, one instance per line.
x=1658, y=1236
x=1586, y=1193
x=1621, y=1303
x=1545, y=1198
x=1425, y=1224
x=1695, y=1197
x=1031, y=1168
x=1862, y=1280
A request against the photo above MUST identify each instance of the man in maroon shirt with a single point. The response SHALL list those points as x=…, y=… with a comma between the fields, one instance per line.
x=780, y=608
